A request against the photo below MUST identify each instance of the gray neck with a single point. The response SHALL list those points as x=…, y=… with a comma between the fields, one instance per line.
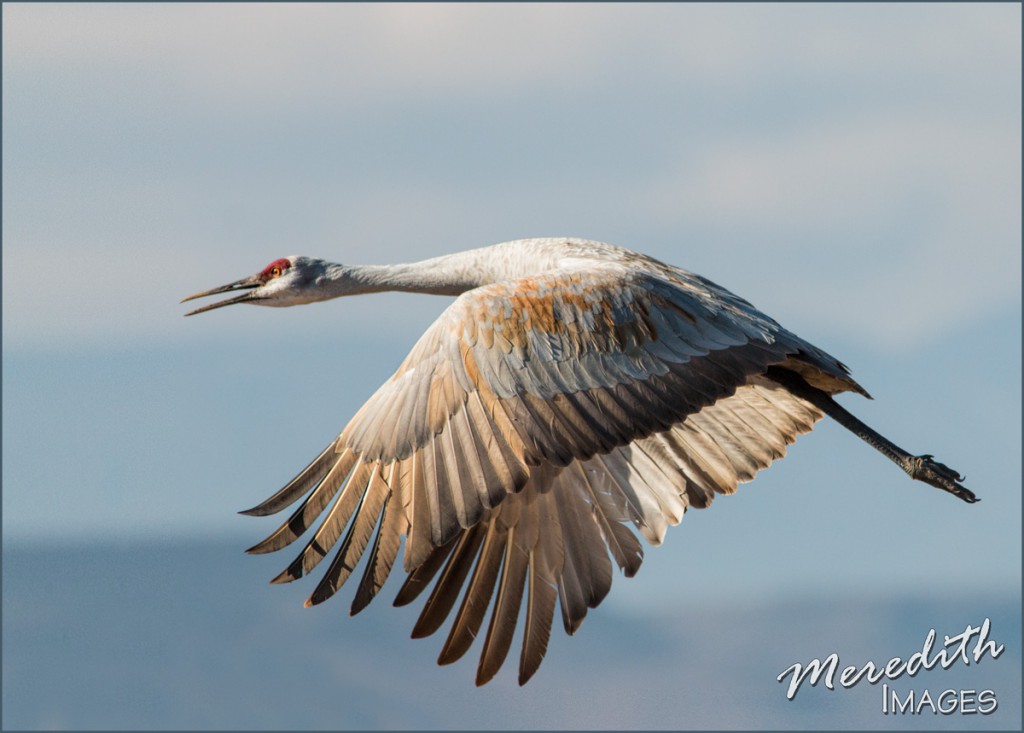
x=410, y=279
x=451, y=274
x=446, y=275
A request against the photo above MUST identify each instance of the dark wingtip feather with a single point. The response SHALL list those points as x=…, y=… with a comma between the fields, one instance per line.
x=309, y=477
x=290, y=573
x=319, y=596
x=419, y=579
x=422, y=630
x=407, y=594
x=361, y=601
x=447, y=657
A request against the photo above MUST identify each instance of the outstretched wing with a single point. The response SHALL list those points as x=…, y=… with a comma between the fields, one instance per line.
x=530, y=421
x=553, y=538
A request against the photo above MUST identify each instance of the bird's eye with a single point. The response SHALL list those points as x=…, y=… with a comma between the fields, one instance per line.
x=274, y=269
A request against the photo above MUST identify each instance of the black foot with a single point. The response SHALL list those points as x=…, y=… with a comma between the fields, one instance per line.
x=941, y=476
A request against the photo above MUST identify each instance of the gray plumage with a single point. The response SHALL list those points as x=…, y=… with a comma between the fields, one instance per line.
x=571, y=389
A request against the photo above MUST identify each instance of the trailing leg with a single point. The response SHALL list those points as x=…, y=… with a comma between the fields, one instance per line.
x=921, y=468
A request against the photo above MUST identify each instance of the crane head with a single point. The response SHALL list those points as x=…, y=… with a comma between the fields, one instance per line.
x=283, y=282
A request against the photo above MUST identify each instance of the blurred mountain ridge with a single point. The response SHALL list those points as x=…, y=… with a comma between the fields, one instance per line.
x=135, y=635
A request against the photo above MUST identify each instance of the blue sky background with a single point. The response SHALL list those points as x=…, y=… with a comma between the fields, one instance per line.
x=852, y=170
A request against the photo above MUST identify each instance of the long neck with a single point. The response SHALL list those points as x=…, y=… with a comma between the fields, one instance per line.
x=414, y=277
x=446, y=275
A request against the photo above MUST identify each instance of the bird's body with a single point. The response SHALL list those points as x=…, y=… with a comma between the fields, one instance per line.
x=571, y=388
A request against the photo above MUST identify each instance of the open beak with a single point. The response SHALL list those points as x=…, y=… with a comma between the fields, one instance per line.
x=246, y=284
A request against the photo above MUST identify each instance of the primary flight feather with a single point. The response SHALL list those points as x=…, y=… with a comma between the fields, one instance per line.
x=571, y=389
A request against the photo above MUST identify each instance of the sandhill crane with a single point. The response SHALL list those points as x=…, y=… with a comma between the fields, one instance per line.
x=571, y=388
